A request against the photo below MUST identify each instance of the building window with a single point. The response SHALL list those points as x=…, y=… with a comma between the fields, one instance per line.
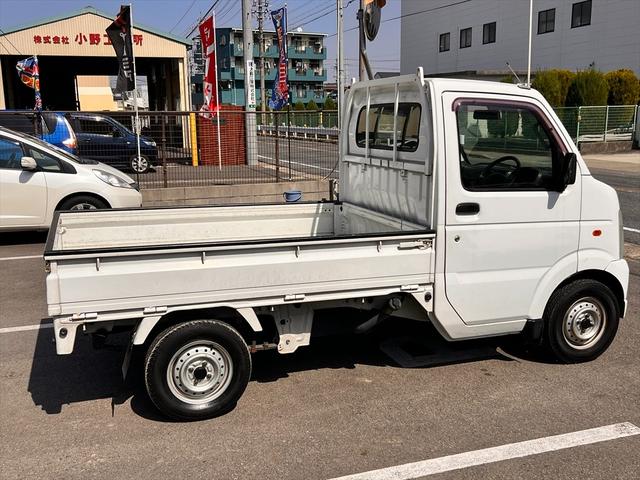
x=445, y=39
x=465, y=37
x=489, y=33
x=581, y=14
x=546, y=21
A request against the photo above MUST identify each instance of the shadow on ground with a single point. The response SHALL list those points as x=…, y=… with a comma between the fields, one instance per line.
x=89, y=374
x=22, y=238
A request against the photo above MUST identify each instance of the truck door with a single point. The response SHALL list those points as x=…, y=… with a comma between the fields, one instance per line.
x=506, y=227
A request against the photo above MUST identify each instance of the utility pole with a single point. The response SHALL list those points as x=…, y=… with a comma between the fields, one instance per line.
x=340, y=59
x=261, y=8
x=249, y=85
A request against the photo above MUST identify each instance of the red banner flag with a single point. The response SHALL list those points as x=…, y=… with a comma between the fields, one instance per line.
x=210, y=83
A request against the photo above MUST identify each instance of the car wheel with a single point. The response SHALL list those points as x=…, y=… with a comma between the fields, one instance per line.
x=83, y=202
x=197, y=369
x=139, y=165
x=581, y=321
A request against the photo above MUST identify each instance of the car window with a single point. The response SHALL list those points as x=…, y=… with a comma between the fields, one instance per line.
x=10, y=154
x=45, y=161
x=96, y=127
x=380, y=126
x=504, y=147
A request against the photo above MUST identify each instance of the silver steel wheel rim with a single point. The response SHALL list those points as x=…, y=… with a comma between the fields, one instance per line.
x=199, y=372
x=83, y=206
x=140, y=164
x=584, y=323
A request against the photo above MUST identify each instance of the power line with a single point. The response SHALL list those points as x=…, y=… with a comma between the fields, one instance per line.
x=201, y=17
x=4, y=35
x=409, y=15
x=299, y=14
x=331, y=10
x=183, y=15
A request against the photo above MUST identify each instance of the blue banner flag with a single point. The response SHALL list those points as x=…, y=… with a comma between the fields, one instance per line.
x=280, y=95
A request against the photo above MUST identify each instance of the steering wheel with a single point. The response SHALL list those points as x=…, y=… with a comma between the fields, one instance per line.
x=487, y=170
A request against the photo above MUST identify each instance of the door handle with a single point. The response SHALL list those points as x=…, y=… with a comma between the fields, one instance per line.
x=467, y=208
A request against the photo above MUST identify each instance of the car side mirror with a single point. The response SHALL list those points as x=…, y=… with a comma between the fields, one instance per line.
x=567, y=174
x=116, y=133
x=28, y=164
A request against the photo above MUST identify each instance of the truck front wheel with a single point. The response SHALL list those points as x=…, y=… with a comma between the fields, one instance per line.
x=197, y=369
x=580, y=321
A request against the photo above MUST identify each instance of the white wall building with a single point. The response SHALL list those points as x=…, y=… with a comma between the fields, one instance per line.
x=477, y=37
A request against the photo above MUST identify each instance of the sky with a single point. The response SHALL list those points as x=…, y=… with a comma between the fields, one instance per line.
x=180, y=16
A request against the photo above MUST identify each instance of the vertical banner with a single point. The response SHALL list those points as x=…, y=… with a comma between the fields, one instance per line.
x=210, y=83
x=280, y=95
x=29, y=74
x=119, y=32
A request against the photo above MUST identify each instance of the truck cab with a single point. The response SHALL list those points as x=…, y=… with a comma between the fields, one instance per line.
x=461, y=203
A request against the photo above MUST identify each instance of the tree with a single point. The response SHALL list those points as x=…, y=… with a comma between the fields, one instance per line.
x=566, y=79
x=624, y=87
x=298, y=106
x=329, y=104
x=589, y=87
x=554, y=85
x=548, y=84
x=312, y=105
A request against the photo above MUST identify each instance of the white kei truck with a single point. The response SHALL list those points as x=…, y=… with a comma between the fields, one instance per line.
x=461, y=203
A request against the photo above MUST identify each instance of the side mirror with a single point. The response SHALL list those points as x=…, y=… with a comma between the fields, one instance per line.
x=567, y=173
x=28, y=164
x=116, y=133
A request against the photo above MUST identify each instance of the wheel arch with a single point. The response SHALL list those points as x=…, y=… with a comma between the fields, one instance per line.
x=80, y=194
x=244, y=320
x=604, y=277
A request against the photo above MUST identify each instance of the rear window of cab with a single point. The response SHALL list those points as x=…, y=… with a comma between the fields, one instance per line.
x=380, y=127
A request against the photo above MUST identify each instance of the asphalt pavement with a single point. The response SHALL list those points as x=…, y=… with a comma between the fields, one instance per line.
x=339, y=407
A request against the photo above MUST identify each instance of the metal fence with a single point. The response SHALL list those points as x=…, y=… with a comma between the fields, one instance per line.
x=599, y=124
x=186, y=149
x=192, y=149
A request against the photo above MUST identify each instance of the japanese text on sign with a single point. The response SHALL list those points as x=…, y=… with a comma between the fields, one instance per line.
x=81, y=39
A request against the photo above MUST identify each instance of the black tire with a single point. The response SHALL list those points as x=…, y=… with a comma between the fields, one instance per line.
x=144, y=160
x=170, y=352
x=573, y=307
x=83, y=202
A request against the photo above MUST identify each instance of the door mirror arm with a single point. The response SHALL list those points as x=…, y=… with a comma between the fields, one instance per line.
x=28, y=164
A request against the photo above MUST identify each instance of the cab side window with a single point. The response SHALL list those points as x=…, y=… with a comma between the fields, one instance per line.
x=96, y=127
x=10, y=154
x=505, y=147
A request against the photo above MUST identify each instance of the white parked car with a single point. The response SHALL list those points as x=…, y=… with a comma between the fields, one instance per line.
x=37, y=178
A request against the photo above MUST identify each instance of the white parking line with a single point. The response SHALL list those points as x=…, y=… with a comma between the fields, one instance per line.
x=497, y=454
x=24, y=257
x=634, y=230
x=26, y=328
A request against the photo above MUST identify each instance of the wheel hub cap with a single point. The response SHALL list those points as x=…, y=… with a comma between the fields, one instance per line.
x=199, y=372
x=83, y=206
x=584, y=323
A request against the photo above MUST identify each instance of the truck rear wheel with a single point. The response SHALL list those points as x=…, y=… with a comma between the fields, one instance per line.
x=197, y=369
x=581, y=321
